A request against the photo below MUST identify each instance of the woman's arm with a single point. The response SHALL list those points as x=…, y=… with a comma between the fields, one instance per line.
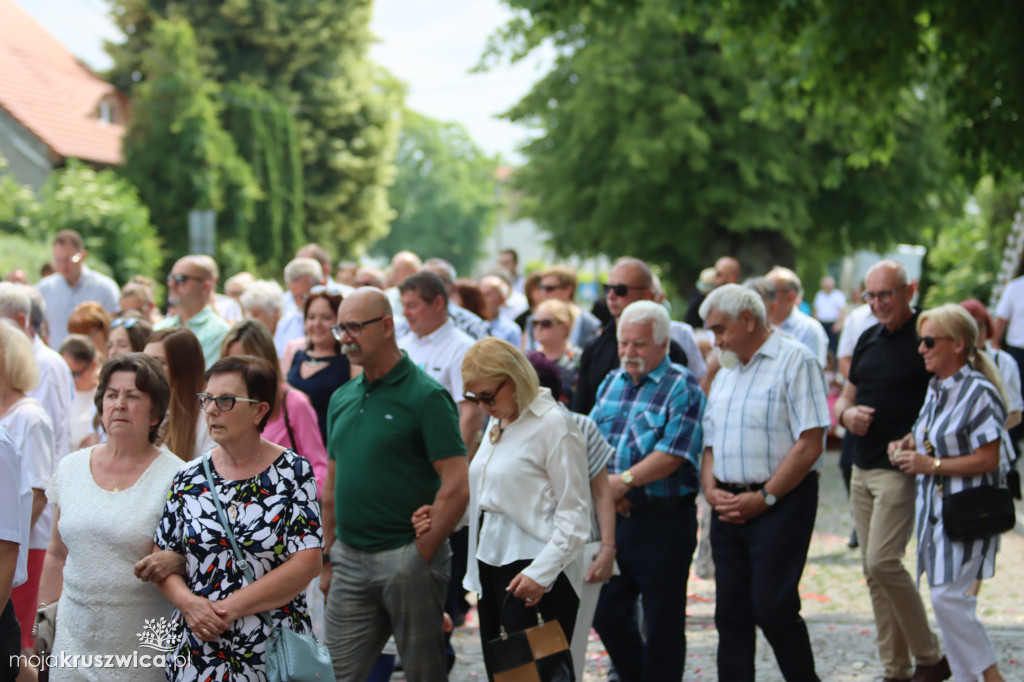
x=983, y=460
x=307, y=435
x=51, y=581
x=601, y=568
x=276, y=588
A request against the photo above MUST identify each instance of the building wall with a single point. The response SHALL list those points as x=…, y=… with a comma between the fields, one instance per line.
x=27, y=157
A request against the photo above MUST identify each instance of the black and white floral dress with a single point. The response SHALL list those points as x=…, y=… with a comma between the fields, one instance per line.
x=272, y=515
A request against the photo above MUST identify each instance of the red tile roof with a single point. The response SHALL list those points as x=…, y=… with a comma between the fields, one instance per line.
x=52, y=94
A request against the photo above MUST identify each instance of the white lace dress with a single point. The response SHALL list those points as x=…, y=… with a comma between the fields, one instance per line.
x=104, y=609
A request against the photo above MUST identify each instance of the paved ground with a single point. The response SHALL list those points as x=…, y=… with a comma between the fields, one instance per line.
x=835, y=605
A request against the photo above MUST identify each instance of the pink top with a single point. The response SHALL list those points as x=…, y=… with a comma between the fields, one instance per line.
x=302, y=418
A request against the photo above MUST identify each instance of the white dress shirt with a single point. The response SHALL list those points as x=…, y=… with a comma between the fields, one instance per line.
x=684, y=335
x=533, y=491
x=809, y=332
x=756, y=412
x=856, y=323
x=31, y=431
x=828, y=306
x=440, y=355
x=15, y=503
x=55, y=391
x=1011, y=309
x=62, y=298
x=291, y=326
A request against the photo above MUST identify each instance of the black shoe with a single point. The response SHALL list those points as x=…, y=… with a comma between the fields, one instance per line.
x=853, y=544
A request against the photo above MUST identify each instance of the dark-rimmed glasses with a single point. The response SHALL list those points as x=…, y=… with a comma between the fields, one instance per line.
x=882, y=297
x=354, y=329
x=485, y=398
x=178, y=280
x=929, y=341
x=224, y=403
x=619, y=289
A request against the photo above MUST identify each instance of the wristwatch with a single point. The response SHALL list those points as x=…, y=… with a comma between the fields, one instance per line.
x=769, y=499
x=627, y=477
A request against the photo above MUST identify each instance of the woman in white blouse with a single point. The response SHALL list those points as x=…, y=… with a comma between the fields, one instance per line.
x=956, y=444
x=529, y=505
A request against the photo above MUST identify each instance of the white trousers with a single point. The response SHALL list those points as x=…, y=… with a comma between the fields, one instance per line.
x=968, y=648
x=589, y=595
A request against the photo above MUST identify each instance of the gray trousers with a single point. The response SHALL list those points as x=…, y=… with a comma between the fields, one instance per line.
x=376, y=594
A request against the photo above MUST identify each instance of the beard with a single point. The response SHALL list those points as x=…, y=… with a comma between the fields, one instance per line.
x=638, y=363
x=728, y=359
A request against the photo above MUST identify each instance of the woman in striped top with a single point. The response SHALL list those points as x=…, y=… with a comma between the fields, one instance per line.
x=961, y=428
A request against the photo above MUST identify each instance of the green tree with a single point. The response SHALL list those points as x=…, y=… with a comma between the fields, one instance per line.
x=18, y=204
x=311, y=58
x=177, y=153
x=445, y=193
x=648, y=144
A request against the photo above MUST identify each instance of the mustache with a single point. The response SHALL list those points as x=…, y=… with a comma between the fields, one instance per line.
x=347, y=348
x=638, y=362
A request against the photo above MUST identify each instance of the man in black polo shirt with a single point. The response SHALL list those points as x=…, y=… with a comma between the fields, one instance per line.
x=630, y=280
x=886, y=388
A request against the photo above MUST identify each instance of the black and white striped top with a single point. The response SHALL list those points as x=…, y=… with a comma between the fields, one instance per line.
x=960, y=414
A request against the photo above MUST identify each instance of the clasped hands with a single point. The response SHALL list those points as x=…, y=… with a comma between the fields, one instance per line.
x=903, y=454
x=736, y=507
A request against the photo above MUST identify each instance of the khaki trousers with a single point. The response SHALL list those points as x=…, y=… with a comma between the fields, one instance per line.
x=883, y=511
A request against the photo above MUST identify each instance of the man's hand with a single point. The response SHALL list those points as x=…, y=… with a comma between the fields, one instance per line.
x=741, y=508
x=325, y=578
x=858, y=419
x=157, y=566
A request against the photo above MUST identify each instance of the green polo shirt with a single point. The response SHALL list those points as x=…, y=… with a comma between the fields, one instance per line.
x=384, y=436
x=209, y=327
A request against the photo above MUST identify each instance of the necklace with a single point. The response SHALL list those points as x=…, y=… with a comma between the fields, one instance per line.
x=496, y=433
x=314, y=361
x=236, y=509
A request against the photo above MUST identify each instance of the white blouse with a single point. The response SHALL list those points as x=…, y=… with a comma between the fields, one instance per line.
x=534, y=493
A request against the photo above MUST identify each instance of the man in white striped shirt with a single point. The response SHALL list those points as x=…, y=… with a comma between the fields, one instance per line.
x=764, y=428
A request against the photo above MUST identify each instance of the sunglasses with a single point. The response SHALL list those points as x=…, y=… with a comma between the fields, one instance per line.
x=485, y=398
x=178, y=280
x=549, y=287
x=126, y=322
x=619, y=289
x=545, y=324
x=929, y=341
x=354, y=329
x=224, y=403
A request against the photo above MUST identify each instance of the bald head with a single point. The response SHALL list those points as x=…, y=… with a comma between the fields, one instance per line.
x=727, y=271
x=368, y=302
x=404, y=264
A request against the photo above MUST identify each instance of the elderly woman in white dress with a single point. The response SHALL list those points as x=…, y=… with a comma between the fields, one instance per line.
x=109, y=499
x=957, y=444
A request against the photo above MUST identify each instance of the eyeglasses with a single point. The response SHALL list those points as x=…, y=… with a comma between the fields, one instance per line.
x=354, y=329
x=485, y=398
x=224, y=403
x=126, y=322
x=929, y=341
x=545, y=324
x=882, y=297
x=549, y=287
x=178, y=280
x=619, y=289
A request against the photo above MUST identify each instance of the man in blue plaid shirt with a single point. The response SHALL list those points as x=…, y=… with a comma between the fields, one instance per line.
x=650, y=411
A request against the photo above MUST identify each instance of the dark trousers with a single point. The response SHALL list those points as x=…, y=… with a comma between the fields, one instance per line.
x=846, y=459
x=757, y=573
x=10, y=643
x=1017, y=431
x=560, y=603
x=655, y=547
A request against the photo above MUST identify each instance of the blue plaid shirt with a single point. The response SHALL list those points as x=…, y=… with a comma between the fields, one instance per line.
x=663, y=412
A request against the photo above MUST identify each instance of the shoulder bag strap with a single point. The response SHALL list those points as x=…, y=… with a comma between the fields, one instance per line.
x=287, y=424
x=240, y=561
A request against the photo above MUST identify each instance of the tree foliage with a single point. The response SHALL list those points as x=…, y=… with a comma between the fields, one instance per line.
x=100, y=205
x=310, y=57
x=445, y=193
x=648, y=144
x=868, y=53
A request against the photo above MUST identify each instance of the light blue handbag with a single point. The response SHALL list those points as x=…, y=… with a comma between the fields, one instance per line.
x=291, y=657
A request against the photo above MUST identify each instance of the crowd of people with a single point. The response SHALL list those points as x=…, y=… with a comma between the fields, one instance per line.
x=351, y=453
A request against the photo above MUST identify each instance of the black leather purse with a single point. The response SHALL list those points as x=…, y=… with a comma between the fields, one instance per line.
x=536, y=654
x=975, y=513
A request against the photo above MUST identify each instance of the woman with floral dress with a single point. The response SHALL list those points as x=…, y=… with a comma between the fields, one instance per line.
x=269, y=496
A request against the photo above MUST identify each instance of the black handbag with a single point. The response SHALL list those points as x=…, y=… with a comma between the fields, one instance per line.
x=537, y=654
x=978, y=513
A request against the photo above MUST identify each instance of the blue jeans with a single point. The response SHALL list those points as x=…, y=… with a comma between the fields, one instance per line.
x=655, y=546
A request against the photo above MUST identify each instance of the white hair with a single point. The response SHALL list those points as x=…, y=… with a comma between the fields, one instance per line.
x=14, y=300
x=731, y=300
x=641, y=312
x=263, y=295
x=304, y=267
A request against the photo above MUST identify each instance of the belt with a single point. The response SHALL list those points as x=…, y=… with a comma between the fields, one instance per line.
x=737, y=488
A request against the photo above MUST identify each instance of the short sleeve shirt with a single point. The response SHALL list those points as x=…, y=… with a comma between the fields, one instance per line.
x=384, y=436
x=1011, y=309
x=209, y=327
x=890, y=376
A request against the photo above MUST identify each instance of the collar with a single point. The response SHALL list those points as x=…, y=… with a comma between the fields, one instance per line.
x=542, y=403
x=437, y=333
x=952, y=380
x=655, y=375
x=771, y=348
x=909, y=327
x=199, y=318
x=395, y=374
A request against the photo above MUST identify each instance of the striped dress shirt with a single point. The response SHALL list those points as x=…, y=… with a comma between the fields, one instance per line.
x=756, y=412
x=663, y=412
x=960, y=414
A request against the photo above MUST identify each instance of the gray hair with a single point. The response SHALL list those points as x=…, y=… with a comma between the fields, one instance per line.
x=443, y=269
x=37, y=316
x=304, y=267
x=765, y=288
x=263, y=295
x=641, y=312
x=733, y=299
x=786, y=280
x=14, y=301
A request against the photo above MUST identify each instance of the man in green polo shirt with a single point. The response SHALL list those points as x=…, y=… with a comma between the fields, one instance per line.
x=188, y=287
x=393, y=445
